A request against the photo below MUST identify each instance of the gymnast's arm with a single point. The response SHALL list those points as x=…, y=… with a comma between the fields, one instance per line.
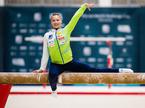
x=45, y=56
x=72, y=23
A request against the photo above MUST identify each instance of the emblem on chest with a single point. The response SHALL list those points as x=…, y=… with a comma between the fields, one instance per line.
x=60, y=38
x=51, y=42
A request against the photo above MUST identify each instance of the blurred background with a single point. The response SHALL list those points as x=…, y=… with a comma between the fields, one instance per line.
x=23, y=19
x=23, y=23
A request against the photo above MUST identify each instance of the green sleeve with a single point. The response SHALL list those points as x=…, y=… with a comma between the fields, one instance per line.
x=72, y=23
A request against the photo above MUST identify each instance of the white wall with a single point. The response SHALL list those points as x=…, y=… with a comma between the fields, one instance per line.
x=105, y=3
x=1, y=2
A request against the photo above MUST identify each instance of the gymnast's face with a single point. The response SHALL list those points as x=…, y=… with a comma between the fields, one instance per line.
x=56, y=21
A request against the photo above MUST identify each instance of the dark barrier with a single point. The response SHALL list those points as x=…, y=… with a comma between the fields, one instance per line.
x=1, y=37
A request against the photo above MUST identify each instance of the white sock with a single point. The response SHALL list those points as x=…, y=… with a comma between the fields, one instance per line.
x=125, y=70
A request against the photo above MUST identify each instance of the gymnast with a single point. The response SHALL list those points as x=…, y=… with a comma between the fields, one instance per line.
x=56, y=46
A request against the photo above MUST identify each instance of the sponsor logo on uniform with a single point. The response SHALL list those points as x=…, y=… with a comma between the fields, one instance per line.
x=60, y=38
x=50, y=36
x=50, y=41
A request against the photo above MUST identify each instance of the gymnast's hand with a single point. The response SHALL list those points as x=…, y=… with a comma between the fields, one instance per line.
x=39, y=71
x=90, y=5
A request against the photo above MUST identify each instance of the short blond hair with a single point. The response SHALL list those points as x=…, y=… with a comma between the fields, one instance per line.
x=55, y=13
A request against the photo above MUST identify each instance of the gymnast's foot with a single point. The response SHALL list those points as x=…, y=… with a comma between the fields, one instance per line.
x=54, y=93
x=125, y=70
